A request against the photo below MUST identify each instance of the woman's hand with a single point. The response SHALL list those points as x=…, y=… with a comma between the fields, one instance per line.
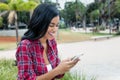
x=66, y=65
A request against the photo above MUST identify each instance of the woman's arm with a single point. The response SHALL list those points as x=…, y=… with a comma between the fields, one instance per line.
x=63, y=67
x=24, y=63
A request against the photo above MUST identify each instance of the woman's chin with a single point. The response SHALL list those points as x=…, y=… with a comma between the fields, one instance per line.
x=50, y=38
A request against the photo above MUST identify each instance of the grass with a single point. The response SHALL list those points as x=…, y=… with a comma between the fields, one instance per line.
x=71, y=76
x=7, y=45
x=64, y=36
x=9, y=72
x=68, y=36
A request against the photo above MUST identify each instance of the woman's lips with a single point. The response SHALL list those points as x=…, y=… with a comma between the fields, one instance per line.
x=51, y=34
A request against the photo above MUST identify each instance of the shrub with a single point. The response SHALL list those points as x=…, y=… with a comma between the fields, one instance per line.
x=1, y=21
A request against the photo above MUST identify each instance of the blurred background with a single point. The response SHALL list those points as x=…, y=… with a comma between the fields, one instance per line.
x=89, y=22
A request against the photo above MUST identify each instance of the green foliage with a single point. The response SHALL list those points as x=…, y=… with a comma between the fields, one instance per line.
x=18, y=5
x=7, y=70
x=62, y=25
x=70, y=76
x=4, y=6
x=91, y=7
x=30, y=5
x=118, y=33
x=23, y=16
x=95, y=14
x=1, y=21
x=74, y=10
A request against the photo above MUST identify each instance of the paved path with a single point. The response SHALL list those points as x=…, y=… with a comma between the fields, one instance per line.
x=9, y=54
x=101, y=58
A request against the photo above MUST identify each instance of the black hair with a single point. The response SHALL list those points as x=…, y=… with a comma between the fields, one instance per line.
x=40, y=20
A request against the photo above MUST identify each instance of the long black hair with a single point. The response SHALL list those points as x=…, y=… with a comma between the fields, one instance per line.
x=40, y=20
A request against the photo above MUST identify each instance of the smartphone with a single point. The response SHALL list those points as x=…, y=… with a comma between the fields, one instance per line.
x=77, y=57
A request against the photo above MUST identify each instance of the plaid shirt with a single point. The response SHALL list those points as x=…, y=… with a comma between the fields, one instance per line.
x=30, y=62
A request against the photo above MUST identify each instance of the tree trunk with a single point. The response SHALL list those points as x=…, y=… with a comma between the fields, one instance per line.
x=16, y=26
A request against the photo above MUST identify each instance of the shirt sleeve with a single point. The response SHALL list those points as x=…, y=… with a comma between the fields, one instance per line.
x=24, y=63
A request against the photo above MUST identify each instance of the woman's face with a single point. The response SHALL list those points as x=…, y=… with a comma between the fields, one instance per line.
x=52, y=29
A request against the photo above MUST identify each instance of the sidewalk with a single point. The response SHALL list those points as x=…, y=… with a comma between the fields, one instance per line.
x=9, y=54
x=101, y=58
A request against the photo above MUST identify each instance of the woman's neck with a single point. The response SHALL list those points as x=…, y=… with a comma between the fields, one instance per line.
x=43, y=40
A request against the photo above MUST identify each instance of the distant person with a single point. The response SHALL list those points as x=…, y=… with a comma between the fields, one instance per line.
x=37, y=53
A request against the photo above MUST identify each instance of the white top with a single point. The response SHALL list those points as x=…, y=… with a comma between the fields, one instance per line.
x=49, y=67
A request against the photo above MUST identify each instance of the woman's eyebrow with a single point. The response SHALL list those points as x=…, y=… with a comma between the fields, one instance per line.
x=52, y=23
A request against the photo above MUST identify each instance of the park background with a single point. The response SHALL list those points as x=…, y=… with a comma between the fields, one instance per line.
x=97, y=21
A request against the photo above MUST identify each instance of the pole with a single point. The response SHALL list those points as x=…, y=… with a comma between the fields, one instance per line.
x=109, y=17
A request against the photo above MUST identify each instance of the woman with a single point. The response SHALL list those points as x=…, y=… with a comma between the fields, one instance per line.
x=37, y=55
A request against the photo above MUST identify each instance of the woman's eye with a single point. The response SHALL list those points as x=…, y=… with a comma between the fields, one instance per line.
x=51, y=25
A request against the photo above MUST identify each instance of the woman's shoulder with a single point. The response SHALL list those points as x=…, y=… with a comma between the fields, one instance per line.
x=25, y=42
x=28, y=42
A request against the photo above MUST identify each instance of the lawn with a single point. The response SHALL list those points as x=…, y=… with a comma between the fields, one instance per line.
x=64, y=36
x=7, y=70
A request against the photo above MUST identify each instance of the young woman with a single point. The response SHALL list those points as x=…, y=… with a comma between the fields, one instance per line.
x=37, y=54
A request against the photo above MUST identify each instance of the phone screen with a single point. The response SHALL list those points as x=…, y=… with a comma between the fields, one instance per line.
x=76, y=57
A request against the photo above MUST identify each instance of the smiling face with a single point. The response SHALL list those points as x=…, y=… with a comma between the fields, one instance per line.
x=52, y=29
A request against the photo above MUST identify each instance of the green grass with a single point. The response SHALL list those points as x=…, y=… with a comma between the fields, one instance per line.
x=7, y=70
x=71, y=76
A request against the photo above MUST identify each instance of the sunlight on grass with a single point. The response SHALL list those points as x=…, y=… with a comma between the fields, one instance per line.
x=69, y=36
x=71, y=76
x=7, y=45
x=7, y=70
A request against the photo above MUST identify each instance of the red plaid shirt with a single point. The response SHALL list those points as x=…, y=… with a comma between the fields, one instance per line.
x=30, y=62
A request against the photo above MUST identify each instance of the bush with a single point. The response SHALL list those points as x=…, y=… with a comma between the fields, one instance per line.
x=1, y=22
x=62, y=25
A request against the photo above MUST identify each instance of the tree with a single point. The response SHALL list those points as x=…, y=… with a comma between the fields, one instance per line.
x=17, y=5
x=73, y=11
x=92, y=9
